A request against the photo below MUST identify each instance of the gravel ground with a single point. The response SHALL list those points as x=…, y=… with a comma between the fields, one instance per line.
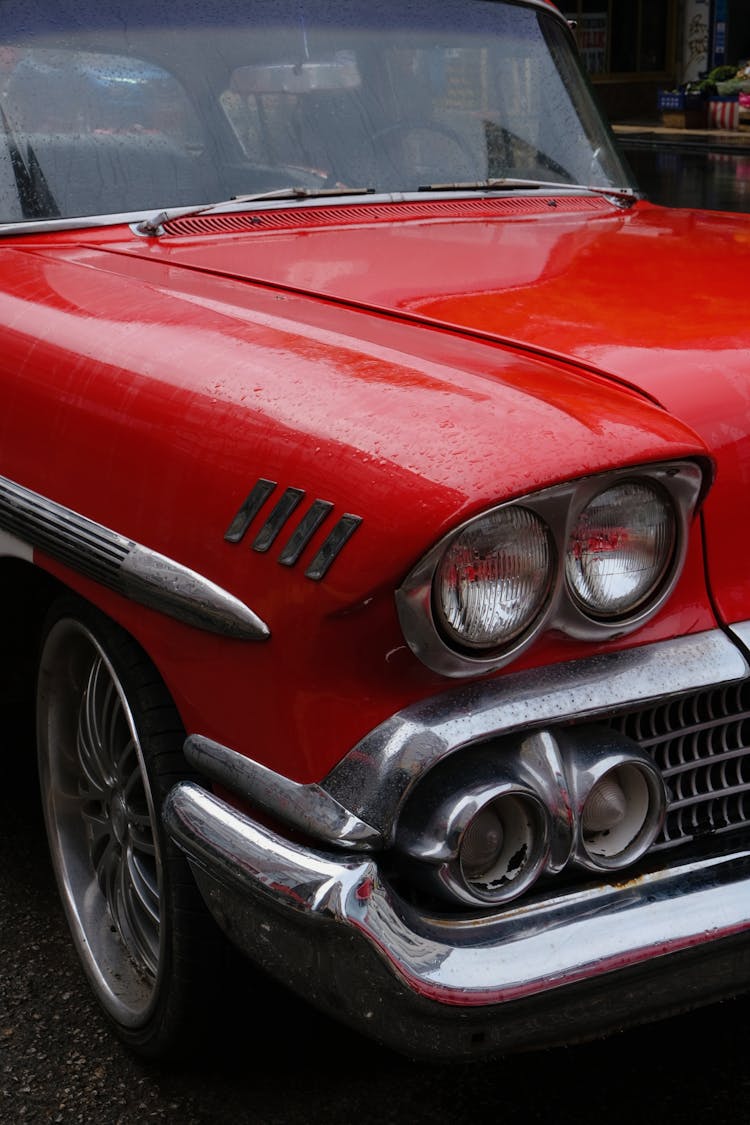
x=278, y=1063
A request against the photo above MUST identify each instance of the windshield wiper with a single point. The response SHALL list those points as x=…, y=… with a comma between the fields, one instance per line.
x=628, y=195
x=155, y=225
x=34, y=195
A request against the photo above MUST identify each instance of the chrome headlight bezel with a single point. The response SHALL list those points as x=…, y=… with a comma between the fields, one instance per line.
x=559, y=507
x=489, y=544
x=592, y=547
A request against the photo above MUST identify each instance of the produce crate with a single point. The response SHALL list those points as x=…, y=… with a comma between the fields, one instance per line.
x=680, y=110
x=670, y=100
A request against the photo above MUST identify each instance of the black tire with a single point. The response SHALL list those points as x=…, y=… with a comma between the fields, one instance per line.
x=109, y=745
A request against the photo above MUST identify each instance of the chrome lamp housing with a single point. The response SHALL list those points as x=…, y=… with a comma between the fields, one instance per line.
x=592, y=558
x=482, y=827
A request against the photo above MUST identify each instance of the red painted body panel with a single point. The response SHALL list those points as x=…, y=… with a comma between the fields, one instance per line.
x=624, y=292
x=161, y=379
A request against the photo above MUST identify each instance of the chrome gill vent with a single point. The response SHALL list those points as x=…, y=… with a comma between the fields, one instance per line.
x=278, y=519
x=701, y=743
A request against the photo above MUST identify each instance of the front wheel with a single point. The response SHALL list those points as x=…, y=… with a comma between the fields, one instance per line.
x=110, y=748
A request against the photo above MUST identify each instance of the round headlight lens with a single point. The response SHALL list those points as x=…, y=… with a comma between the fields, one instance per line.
x=504, y=848
x=494, y=578
x=621, y=548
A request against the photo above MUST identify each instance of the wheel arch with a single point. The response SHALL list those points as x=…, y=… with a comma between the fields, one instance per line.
x=26, y=593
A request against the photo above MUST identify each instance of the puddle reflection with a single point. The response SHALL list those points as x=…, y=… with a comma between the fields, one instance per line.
x=718, y=181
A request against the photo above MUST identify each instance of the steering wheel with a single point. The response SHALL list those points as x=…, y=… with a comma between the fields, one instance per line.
x=418, y=167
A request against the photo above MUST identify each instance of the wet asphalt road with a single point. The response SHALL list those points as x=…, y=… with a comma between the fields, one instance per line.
x=692, y=176
x=278, y=1063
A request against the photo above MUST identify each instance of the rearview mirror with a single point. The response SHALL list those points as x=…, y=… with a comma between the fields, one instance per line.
x=296, y=78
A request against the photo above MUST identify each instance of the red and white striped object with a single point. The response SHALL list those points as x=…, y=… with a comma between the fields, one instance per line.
x=723, y=115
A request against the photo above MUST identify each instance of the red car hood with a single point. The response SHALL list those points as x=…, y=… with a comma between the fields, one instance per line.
x=649, y=295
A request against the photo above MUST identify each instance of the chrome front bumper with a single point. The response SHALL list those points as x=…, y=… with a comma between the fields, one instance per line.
x=331, y=929
x=547, y=968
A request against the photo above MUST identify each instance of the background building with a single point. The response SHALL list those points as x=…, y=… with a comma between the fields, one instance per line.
x=633, y=48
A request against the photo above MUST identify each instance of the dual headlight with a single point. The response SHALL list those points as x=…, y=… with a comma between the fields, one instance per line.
x=592, y=557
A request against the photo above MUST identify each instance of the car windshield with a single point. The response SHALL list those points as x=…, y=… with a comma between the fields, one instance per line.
x=122, y=107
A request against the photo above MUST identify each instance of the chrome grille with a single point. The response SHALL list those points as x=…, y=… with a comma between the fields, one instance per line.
x=701, y=743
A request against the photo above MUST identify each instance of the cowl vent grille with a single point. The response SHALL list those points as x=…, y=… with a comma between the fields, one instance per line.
x=296, y=217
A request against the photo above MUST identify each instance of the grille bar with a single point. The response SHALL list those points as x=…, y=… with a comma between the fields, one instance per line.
x=701, y=744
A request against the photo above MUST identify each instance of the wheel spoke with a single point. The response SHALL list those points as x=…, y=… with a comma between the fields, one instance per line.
x=107, y=865
x=128, y=769
x=142, y=837
x=114, y=726
x=132, y=884
x=137, y=917
x=93, y=753
x=98, y=827
x=145, y=886
x=139, y=818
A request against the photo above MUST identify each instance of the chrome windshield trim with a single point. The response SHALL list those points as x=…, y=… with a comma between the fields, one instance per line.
x=78, y=222
x=134, y=219
x=122, y=565
x=375, y=777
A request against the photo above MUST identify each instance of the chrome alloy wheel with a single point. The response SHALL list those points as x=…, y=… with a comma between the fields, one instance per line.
x=101, y=821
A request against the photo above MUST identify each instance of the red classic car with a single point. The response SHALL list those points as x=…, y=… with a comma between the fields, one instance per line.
x=373, y=461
